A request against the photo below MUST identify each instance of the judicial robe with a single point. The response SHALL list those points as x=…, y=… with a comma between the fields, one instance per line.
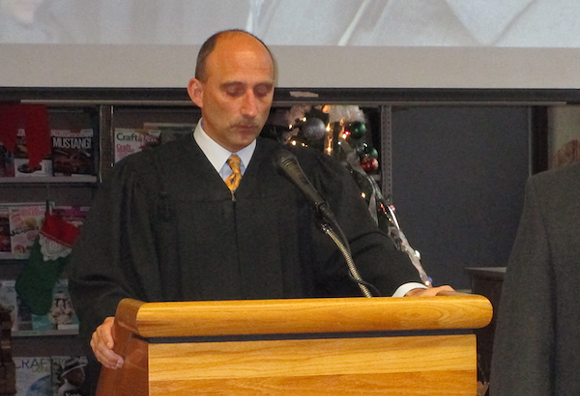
x=164, y=227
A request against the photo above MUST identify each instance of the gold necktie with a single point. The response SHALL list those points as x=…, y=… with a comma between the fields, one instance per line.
x=233, y=180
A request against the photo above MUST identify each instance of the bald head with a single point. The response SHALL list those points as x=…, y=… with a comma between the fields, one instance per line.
x=233, y=35
x=234, y=87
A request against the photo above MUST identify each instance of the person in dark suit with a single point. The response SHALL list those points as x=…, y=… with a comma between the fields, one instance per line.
x=537, y=349
x=165, y=226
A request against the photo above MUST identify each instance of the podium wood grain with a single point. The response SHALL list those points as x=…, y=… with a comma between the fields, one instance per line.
x=328, y=365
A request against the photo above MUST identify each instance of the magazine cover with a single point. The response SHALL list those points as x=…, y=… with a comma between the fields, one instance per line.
x=9, y=301
x=72, y=152
x=74, y=214
x=129, y=141
x=171, y=131
x=62, y=315
x=33, y=376
x=22, y=166
x=68, y=375
x=25, y=222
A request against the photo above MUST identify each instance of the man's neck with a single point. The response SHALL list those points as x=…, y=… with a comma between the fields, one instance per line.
x=217, y=154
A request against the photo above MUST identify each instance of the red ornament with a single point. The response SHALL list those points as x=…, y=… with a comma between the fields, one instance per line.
x=369, y=164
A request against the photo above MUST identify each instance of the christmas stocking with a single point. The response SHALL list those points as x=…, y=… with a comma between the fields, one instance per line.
x=49, y=255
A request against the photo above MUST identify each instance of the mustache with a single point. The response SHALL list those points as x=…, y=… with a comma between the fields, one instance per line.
x=246, y=124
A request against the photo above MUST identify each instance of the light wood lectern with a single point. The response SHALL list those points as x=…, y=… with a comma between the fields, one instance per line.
x=318, y=347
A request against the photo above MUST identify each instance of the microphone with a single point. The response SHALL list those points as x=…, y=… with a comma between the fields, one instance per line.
x=288, y=166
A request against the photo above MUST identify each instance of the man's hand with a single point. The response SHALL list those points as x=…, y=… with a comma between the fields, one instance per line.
x=430, y=292
x=102, y=344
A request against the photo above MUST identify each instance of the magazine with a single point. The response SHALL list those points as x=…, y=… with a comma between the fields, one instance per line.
x=9, y=300
x=62, y=315
x=68, y=375
x=130, y=140
x=72, y=152
x=171, y=131
x=22, y=166
x=25, y=223
x=33, y=376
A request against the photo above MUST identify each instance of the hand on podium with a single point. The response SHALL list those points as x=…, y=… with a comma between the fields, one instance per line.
x=102, y=344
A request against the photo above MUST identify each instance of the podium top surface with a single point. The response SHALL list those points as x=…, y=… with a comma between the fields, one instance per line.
x=332, y=315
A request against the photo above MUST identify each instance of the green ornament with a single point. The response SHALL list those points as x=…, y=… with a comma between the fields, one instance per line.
x=371, y=152
x=358, y=130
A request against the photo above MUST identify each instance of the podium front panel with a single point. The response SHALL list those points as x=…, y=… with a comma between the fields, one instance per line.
x=405, y=366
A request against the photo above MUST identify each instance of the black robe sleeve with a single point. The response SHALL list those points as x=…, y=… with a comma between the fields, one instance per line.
x=115, y=255
x=374, y=254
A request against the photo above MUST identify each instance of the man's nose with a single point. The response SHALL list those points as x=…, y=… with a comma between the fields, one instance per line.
x=249, y=105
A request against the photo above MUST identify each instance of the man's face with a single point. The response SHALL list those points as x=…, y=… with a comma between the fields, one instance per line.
x=237, y=94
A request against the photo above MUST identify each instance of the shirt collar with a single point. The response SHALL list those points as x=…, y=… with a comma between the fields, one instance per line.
x=218, y=155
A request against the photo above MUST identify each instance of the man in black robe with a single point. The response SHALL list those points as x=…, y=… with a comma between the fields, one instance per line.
x=165, y=227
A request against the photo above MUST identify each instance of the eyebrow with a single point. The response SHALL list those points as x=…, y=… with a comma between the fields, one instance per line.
x=233, y=83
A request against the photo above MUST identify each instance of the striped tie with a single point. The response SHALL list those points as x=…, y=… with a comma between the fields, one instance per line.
x=233, y=180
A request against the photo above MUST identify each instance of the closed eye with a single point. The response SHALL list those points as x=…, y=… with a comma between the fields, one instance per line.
x=237, y=89
x=234, y=89
x=263, y=90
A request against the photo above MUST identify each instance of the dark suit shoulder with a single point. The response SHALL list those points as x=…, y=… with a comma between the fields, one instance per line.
x=558, y=177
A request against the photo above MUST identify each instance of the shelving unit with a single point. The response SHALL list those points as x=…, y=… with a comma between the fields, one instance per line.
x=61, y=190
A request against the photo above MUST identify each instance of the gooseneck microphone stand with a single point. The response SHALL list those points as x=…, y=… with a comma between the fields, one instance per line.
x=348, y=257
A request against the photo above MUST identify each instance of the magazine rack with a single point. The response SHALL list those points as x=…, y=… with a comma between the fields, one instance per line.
x=344, y=346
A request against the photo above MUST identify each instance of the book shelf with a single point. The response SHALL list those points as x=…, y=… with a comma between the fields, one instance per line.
x=76, y=190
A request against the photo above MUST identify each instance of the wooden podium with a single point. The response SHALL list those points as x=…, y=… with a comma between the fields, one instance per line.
x=318, y=347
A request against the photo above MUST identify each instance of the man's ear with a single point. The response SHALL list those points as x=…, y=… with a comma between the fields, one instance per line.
x=195, y=91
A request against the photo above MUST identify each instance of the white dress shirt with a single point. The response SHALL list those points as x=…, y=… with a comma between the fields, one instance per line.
x=218, y=155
